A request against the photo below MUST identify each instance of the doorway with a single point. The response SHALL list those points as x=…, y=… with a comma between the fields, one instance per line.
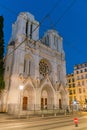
x=43, y=103
x=25, y=102
x=60, y=104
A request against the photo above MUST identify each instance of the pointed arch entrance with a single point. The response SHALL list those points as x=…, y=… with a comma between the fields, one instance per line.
x=44, y=98
x=47, y=97
x=28, y=98
x=61, y=99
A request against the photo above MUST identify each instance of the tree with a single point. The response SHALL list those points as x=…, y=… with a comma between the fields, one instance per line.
x=2, y=83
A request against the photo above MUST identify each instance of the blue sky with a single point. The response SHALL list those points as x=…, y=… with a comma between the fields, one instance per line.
x=68, y=17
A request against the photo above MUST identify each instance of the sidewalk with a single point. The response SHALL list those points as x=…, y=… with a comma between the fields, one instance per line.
x=82, y=126
x=6, y=116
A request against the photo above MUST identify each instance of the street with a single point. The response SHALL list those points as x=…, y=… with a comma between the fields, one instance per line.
x=46, y=123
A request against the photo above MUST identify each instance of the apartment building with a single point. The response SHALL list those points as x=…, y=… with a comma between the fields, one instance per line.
x=77, y=85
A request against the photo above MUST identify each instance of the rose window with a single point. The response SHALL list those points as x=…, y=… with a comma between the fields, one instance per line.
x=43, y=68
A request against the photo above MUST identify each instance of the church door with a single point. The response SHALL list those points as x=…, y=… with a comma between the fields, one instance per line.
x=60, y=104
x=25, y=102
x=42, y=103
x=45, y=103
x=44, y=99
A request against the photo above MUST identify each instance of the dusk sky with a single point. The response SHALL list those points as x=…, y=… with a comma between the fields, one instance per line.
x=68, y=17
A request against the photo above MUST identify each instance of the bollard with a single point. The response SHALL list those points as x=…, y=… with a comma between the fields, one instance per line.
x=42, y=115
x=65, y=112
x=54, y=114
x=76, y=122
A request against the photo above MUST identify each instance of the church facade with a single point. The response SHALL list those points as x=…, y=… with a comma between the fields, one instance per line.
x=35, y=69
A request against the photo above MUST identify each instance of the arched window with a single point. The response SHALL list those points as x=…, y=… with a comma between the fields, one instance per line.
x=27, y=66
x=31, y=26
x=59, y=72
x=47, y=40
x=24, y=66
x=27, y=28
x=56, y=42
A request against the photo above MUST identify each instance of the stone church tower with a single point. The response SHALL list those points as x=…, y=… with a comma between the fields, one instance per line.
x=35, y=73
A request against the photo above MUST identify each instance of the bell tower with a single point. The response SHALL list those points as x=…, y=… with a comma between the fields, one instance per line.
x=53, y=40
x=25, y=26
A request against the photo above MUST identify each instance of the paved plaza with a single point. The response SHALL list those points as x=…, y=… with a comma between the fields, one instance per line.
x=61, y=122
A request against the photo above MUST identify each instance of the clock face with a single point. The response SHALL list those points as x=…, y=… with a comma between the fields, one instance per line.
x=43, y=68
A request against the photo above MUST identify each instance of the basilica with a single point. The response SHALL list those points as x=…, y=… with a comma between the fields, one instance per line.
x=35, y=69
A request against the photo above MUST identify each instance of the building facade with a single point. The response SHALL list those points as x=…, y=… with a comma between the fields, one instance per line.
x=35, y=72
x=71, y=88
x=77, y=85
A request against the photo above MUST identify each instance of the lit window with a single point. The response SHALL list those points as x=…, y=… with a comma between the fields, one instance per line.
x=70, y=92
x=78, y=78
x=84, y=90
x=74, y=92
x=86, y=76
x=82, y=82
x=81, y=71
x=69, y=85
x=77, y=72
x=82, y=76
x=69, y=81
x=73, y=85
x=79, y=90
x=72, y=79
x=78, y=83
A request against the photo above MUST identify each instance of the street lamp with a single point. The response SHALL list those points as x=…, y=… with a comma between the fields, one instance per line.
x=21, y=87
x=76, y=105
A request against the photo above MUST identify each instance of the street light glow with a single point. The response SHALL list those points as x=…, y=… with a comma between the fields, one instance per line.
x=74, y=102
x=21, y=87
